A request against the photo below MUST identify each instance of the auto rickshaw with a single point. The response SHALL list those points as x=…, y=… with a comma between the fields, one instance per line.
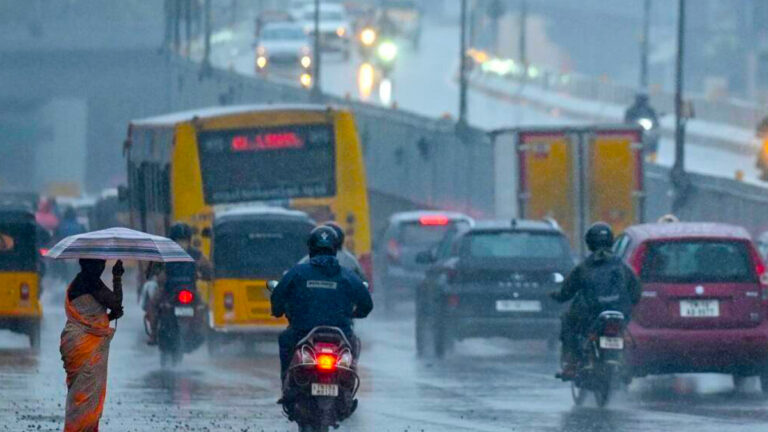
x=20, y=273
x=250, y=246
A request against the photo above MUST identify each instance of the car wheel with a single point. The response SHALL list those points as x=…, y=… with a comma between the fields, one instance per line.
x=443, y=341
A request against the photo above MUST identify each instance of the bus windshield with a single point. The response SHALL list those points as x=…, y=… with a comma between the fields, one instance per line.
x=295, y=161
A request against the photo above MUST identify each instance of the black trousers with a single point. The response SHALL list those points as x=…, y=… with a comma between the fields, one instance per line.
x=574, y=323
x=290, y=337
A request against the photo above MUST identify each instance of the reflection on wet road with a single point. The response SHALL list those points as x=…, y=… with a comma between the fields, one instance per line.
x=484, y=385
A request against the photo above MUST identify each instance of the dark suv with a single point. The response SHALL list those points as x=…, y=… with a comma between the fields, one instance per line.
x=492, y=279
x=407, y=234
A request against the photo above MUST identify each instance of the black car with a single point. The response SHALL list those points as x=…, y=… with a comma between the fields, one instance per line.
x=492, y=279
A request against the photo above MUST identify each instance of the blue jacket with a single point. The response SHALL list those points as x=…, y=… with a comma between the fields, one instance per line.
x=321, y=293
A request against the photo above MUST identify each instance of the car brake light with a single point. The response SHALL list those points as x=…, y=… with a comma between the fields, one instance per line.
x=24, y=292
x=229, y=301
x=326, y=362
x=43, y=251
x=393, y=250
x=186, y=296
x=637, y=260
x=434, y=220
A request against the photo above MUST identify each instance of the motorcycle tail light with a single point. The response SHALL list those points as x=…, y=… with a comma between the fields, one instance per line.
x=186, y=297
x=24, y=292
x=612, y=328
x=326, y=362
x=229, y=301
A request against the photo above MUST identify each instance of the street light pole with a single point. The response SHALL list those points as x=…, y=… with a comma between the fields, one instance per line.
x=679, y=178
x=644, y=45
x=463, y=66
x=523, y=51
x=317, y=92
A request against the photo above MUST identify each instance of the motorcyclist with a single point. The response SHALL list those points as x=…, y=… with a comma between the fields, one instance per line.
x=641, y=109
x=347, y=259
x=318, y=293
x=601, y=282
x=181, y=233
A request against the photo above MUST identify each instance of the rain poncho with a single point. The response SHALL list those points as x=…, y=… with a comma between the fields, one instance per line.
x=85, y=351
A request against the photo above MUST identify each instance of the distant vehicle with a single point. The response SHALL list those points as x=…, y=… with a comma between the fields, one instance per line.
x=271, y=16
x=407, y=234
x=20, y=308
x=704, y=304
x=251, y=245
x=401, y=19
x=493, y=279
x=283, y=44
x=335, y=27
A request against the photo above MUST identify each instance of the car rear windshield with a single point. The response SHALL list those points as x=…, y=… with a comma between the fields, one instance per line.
x=418, y=234
x=698, y=261
x=516, y=245
x=258, y=250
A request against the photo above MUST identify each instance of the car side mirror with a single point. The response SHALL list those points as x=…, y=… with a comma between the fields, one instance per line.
x=206, y=233
x=271, y=285
x=425, y=257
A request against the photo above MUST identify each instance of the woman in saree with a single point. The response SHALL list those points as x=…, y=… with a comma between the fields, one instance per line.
x=85, y=342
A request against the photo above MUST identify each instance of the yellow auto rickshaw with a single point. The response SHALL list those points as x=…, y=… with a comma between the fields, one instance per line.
x=20, y=268
x=250, y=246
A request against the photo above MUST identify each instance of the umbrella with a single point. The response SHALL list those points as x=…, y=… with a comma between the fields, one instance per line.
x=119, y=243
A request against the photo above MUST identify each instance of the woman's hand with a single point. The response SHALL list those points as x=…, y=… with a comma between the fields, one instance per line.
x=117, y=269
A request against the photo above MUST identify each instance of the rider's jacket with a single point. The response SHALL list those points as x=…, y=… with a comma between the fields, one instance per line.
x=321, y=293
x=601, y=282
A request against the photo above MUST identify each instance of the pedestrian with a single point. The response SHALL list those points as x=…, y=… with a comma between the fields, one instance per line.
x=85, y=342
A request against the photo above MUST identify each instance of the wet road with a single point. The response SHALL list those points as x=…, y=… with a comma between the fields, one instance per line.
x=484, y=385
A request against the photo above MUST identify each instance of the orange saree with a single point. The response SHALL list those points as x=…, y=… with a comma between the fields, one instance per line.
x=85, y=351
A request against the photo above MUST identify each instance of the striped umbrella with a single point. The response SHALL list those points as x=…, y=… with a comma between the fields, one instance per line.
x=119, y=243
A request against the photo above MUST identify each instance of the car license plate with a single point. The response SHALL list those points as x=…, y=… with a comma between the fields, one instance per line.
x=325, y=389
x=184, y=311
x=611, y=343
x=699, y=308
x=518, y=306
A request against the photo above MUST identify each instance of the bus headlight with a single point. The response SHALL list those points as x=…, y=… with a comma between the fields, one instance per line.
x=305, y=61
x=261, y=61
x=306, y=80
x=387, y=51
x=368, y=36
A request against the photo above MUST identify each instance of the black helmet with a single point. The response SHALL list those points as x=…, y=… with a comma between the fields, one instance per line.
x=339, y=233
x=180, y=231
x=599, y=236
x=322, y=241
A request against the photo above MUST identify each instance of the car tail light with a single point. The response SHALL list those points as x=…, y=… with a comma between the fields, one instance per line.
x=393, y=250
x=431, y=220
x=185, y=296
x=453, y=300
x=612, y=328
x=367, y=264
x=637, y=260
x=43, y=251
x=326, y=362
x=24, y=292
x=229, y=301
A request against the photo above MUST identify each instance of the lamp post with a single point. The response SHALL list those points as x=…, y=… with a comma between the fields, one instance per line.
x=679, y=178
x=317, y=91
x=462, y=122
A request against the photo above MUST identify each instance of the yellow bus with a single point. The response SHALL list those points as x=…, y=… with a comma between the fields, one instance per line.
x=191, y=165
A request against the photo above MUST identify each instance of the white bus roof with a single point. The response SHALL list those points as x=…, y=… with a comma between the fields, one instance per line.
x=220, y=111
x=257, y=210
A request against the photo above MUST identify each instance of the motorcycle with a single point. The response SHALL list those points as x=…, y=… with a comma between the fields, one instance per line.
x=179, y=325
x=322, y=381
x=601, y=368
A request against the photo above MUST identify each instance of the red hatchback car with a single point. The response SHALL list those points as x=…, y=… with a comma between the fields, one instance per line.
x=704, y=306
